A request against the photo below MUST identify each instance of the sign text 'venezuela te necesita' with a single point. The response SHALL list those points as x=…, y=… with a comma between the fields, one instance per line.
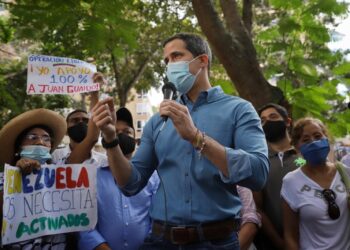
x=55, y=199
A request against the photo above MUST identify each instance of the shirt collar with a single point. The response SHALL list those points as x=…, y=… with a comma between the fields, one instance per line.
x=290, y=151
x=210, y=95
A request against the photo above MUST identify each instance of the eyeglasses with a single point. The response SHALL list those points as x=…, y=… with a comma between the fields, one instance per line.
x=34, y=137
x=333, y=209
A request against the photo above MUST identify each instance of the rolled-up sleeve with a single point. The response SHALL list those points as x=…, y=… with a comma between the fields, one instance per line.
x=248, y=211
x=247, y=161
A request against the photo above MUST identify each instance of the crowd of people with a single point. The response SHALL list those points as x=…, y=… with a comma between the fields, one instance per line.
x=215, y=174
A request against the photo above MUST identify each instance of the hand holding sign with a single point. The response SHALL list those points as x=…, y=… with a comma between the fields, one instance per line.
x=103, y=115
x=27, y=165
x=55, y=199
x=98, y=78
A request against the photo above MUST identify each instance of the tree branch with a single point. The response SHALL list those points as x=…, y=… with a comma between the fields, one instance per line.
x=231, y=15
x=139, y=71
x=235, y=50
x=115, y=70
x=247, y=15
x=7, y=52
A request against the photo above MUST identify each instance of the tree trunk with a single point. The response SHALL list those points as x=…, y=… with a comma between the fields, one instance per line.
x=234, y=48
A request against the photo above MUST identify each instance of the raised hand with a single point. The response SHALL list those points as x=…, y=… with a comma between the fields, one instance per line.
x=103, y=115
x=98, y=78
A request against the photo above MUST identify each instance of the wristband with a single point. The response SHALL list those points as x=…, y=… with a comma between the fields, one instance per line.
x=111, y=144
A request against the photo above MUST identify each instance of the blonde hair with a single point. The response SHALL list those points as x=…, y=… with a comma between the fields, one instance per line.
x=299, y=128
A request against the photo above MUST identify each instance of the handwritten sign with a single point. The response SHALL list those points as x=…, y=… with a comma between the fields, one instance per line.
x=59, y=75
x=56, y=199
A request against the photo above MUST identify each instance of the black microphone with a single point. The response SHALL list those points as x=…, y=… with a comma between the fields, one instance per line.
x=169, y=92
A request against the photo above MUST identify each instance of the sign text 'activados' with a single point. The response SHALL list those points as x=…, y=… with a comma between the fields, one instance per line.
x=55, y=199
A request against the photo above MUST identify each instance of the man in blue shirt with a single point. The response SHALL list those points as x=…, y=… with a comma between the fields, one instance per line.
x=210, y=142
x=123, y=222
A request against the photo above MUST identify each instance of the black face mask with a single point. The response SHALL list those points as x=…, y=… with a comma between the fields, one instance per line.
x=126, y=143
x=274, y=130
x=78, y=132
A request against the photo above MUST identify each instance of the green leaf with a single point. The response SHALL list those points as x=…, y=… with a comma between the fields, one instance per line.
x=226, y=86
x=329, y=7
x=286, y=4
x=288, y=24
x=342, y=69
x=308, y=69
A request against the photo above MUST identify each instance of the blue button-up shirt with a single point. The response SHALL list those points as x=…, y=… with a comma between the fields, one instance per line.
x=123, y=222
x=193, y=190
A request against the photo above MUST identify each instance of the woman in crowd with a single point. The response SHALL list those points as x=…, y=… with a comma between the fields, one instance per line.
x=315, y=209
x=27, y=142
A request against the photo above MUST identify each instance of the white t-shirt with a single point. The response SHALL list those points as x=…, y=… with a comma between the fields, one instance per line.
x=316, y=229
x=60, y=155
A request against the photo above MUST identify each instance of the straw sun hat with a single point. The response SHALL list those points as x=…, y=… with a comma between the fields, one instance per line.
x=10, y=132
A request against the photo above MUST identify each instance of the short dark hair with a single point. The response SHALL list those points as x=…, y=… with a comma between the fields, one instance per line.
x=194, y=44
x=281, y=110
x=75, y=111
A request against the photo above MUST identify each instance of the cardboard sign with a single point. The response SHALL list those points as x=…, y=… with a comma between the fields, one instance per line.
x=56, y=199
x=59, y=75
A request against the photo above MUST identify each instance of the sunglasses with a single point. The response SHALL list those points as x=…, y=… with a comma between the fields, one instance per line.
x=333, y=209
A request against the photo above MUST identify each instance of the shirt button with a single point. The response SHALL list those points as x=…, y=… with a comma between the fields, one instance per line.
x=187, y=201
x=126, y=244
x=126, y=224
x=186, y=174
x=125, y=206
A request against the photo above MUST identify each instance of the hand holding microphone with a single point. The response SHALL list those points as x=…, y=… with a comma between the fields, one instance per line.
x=169, y=92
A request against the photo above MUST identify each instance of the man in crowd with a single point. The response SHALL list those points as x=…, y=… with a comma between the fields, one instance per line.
x=80, y=141
x=210, y=142
x=122, y=221
x=282, y=156
x=83, y=135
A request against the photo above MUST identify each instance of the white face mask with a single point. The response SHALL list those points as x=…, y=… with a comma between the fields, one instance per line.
x=179, y=74
x=36, y=152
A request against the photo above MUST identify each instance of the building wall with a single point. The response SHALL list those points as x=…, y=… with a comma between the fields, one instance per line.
x=141, y=110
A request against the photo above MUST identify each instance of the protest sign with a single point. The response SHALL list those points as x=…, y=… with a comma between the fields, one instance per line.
x=56, y=199
x=59, y=75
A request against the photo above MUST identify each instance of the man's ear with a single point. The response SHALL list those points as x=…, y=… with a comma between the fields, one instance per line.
x=204, y=60
x=289, y=122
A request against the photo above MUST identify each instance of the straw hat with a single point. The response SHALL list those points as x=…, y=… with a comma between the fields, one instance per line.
x=10, y=132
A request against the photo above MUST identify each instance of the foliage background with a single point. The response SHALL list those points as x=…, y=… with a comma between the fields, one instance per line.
x=125, y=38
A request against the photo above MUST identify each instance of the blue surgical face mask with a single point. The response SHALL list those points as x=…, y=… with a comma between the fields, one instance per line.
x=316, y=152
x=36, y=152
x=179, y=74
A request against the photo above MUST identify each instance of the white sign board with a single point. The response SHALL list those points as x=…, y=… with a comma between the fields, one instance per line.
x=59, y=75
x=56, y=199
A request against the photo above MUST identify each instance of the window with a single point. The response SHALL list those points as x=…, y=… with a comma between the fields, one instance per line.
x=140, y=125
x=142, y=108
x=142, y=94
